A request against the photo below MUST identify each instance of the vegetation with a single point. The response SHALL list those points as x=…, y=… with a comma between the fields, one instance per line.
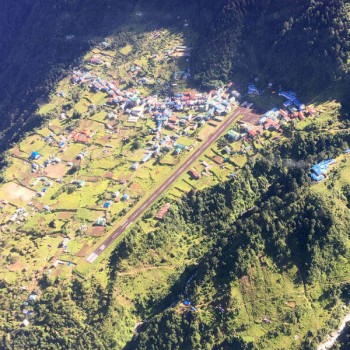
x=264, y=246
x=251, y=256
x=300, y=44
x=236, y=39
x=289, y=226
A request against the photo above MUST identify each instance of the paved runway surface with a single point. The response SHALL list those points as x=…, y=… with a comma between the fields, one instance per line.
x=163, y=187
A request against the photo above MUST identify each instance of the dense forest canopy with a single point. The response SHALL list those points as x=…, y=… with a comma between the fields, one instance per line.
x=300, y=44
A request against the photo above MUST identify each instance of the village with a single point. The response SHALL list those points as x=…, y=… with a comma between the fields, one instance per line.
x=110, y=140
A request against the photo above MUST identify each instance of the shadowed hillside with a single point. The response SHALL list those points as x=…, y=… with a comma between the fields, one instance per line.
x=300, y=44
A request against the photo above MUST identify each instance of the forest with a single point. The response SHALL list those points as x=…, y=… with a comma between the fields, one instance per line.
x=301, y=44
x=289, y=224
x=262, y=254
x=268, y=218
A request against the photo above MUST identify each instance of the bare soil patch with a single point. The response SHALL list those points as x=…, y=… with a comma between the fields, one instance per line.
x=17, y=152
x=291, y=304
x=135, y=187
x=96, y=231
x=17, y=266
x=16, y=194
x=65, y=215
x=83, y=251
x=109, y=175
x=27, y=179
x=56, y=171
x=251, y=118
x=93, y=179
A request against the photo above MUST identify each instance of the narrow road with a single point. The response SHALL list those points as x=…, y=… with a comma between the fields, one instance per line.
x=163, y=187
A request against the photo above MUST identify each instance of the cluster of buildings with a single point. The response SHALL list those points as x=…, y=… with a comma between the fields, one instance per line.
x=292, y=100
x=273, y=119
x=179, y=51
x=27, y=308
x=168, y=112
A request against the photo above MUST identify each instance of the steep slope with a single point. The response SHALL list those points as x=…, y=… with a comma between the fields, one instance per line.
x=262, y=258
x=270, y=273
x=301, y=44
x=40, y=52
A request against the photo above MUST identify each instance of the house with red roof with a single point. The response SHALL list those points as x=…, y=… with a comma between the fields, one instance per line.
x=271, y=125
x=195, y=174
x=252, y=133
x=163, y=211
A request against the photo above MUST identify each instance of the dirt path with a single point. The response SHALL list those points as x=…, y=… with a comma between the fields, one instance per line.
x=142, y=269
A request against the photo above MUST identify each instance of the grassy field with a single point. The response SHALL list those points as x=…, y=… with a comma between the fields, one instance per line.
x=64, y=200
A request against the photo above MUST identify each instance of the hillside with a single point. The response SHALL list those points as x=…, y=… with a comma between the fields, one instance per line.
x=105, y=102
x=268, y=276
x=262, y=258
x=304, y=44
x=234, y=39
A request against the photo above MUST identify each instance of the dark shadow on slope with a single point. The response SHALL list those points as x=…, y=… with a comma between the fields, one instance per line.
x=39, y=48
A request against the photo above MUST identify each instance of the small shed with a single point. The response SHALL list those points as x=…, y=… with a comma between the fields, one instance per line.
x=163, y=211
x=125, y=197
x=100, y=222
x=135, y=166
x=115, y=194
x=32, y=297
x=35, y=155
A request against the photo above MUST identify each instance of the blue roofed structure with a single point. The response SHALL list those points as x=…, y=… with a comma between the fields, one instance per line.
x=299, y=105
x=253, y=90
x=147, y=157
x=317, y=178
x=125, y=197
x=35, y=155
x=319, y=170
x=288, y=103
x=289, y=95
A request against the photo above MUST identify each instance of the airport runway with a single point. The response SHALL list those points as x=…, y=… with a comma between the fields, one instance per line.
x=163, y=187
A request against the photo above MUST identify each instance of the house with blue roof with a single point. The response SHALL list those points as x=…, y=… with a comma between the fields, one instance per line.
x=288, y=103
x=317, y=178
x=125, y=197
x=289, y=95
x=147, y=157
x=319, y=170
x=35, y=155
x=253, y=90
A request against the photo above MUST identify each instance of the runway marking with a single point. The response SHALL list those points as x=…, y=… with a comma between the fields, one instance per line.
x=158, y=192
x=92, y=257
